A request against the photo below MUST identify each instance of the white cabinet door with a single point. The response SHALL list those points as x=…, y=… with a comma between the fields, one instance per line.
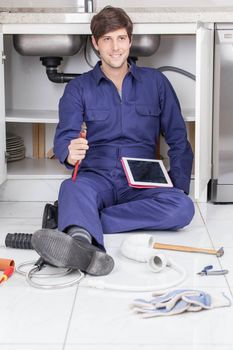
x=204, y=88
x=2, y=115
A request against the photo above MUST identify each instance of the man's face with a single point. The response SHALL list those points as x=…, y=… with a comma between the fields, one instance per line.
x=113, y=48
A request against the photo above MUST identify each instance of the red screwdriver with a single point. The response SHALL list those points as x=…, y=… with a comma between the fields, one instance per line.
x=7, y=266
x=6, y=274
x=83, y=134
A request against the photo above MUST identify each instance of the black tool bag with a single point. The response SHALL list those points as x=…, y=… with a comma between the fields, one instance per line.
x=50, y=215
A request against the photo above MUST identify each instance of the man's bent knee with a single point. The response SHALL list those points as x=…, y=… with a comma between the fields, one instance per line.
x=186, y=211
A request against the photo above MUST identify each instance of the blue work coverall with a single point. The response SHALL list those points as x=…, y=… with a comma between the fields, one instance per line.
x=129, y=125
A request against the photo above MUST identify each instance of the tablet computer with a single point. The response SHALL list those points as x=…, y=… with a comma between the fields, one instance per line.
x=146, y=173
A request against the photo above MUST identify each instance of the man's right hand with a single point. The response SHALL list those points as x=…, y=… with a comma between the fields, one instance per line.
x=77, y=150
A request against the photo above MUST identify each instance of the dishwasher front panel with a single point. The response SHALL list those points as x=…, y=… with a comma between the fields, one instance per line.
x=222, y=174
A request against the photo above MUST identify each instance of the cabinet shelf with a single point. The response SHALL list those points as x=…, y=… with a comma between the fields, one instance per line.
x=51, y=116
x=29, y=168
x=31, y=116
x=188, y=114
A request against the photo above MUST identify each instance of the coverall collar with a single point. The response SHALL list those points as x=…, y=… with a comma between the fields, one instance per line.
x=99, y=75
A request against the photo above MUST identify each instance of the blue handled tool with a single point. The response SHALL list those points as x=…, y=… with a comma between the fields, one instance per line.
x=207, y=270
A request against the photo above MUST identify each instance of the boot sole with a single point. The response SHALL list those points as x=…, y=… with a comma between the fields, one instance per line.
x=61, y=250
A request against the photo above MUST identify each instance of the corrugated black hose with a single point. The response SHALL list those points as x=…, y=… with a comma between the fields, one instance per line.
x=23, y=240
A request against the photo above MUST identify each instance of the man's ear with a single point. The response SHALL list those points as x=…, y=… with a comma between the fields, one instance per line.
x=94, y=43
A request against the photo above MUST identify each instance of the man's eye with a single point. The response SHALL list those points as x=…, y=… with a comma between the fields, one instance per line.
x=106, y=39
x=122, y=37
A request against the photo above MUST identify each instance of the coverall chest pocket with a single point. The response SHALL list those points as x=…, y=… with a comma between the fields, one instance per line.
x=96, y=115
x=147, y=119
x=147, y=110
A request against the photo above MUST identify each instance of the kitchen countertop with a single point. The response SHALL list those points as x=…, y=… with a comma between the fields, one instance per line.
x=138, y=15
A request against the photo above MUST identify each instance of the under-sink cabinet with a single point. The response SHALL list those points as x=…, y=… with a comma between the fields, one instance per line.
x=29, y=101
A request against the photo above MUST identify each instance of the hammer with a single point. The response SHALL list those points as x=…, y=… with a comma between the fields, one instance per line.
x=182, y=248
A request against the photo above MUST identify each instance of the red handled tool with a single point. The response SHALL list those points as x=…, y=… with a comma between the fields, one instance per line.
x=6, y=274
x=8, y=267
x=83, y=134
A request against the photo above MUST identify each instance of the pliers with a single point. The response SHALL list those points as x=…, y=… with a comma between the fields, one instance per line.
x=207, y=271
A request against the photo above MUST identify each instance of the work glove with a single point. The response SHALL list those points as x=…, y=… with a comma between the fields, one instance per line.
x=179, y=301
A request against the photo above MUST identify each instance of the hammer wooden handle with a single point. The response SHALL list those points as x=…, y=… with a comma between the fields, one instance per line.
x=183, y=248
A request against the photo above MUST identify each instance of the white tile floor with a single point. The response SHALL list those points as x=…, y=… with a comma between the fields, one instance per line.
x=90, y=319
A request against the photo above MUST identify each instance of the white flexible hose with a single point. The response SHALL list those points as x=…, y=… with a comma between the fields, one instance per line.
x=136, y=247
x=139, y=248
x=100, y=284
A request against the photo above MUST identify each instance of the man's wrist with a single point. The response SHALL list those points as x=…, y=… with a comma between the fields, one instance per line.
x=68, y=162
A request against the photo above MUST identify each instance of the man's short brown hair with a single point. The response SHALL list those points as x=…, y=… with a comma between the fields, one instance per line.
x=110, y=19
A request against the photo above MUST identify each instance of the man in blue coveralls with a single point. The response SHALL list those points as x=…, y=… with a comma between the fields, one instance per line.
x=125, y=108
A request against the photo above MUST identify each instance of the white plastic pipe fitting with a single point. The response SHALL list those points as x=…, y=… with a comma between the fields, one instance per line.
x=139, y=248
x=157, y=263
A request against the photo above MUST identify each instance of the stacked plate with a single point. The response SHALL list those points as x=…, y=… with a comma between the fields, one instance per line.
x=14, y=147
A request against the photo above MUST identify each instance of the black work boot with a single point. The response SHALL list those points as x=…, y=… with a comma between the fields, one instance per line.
x=61, y=250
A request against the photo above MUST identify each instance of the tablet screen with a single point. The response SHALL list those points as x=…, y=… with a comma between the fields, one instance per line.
x=143, y=171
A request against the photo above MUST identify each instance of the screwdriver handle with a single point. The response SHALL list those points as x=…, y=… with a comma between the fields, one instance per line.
x=7, y=273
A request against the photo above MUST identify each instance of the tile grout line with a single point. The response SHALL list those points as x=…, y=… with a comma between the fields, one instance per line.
x=206, y=227
x=70, y=319
x=219, y=261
